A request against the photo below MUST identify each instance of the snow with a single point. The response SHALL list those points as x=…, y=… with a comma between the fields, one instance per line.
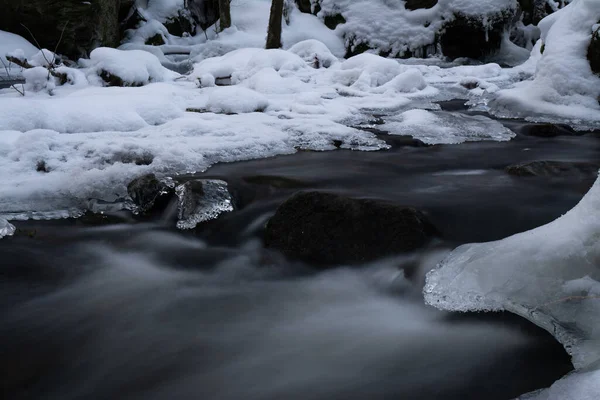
x=236, y=100
x=548, y=275
x=564, y=86
x=11, y=44
x=134, y=67
x=38, y=79
x=387, y=26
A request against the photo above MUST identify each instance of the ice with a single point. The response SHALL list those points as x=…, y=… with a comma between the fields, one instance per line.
x=6, y=228
x=442, y=127
x=548, y=275
x=194, y=207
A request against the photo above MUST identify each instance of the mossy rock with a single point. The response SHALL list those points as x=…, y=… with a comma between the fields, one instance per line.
x=419, y=4
x=594, y=52
x=87, y=24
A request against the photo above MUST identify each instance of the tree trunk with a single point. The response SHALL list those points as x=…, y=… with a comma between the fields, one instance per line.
x=274, y=33
x=225, y=14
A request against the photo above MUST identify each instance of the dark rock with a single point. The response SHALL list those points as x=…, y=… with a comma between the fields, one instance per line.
x=156, y=40
x=554, y=168
x=417, y=4
x=332, y=21
x=548, y=130
x=355, y=49
x=181, y=24
x=594, y=52
x=149, y=194
x=86, y=24
x=328, y=229
x=535, y=10
x=204, y=12
x=304, y=6
x=469, y=37
x=42, y=167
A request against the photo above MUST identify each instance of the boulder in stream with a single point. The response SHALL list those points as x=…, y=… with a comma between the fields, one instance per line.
x=554, y=168
x=329, y=229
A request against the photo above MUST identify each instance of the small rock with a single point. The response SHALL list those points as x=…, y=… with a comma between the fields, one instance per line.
x=201, y=200
x=149, y=194
x=548, y=130
x=554, y=168
x=328, y=229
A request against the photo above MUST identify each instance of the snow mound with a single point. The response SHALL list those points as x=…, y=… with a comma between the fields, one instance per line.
x=564, y=86
x=133, y=67
x=314, y=53
x=549, y=275
x=446, y=127
x=236, y=100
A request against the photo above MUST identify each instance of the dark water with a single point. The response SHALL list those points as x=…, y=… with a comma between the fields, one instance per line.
x=135, y=310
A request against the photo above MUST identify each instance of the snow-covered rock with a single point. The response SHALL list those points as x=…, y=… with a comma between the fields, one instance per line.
x=463, y=28
x=128, y=68
x=564, y=85
x=548, y=275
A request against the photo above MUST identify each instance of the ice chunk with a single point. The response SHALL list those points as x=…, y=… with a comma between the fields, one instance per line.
x=6, y=228
x=446, y=127
x=548, y=275
x=202, y=200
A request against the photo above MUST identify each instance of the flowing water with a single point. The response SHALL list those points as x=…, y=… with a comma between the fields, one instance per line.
x=119, y=308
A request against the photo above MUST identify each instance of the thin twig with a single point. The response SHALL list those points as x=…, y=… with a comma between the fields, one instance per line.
x=38, y=45
x=59, y=40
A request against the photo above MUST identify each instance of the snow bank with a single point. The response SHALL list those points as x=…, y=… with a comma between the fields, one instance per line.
x=564, y=86
x=133, y=68
x=548, y=275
